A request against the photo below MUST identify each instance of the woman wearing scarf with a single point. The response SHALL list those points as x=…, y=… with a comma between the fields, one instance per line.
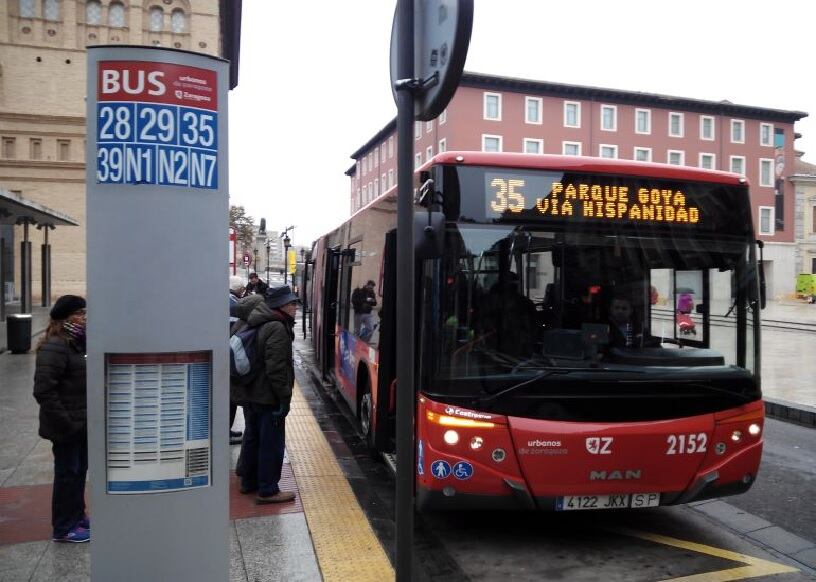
x=59, y=387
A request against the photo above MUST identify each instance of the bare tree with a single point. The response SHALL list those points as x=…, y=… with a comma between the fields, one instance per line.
x=244, y=226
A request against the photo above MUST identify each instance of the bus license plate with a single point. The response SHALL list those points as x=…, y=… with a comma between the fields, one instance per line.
x=621, y=501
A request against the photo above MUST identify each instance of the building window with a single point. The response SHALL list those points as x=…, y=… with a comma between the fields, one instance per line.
x=766, y=131
x=28, y=9
x=156, y=19
x=417, y=129
x=370, y=192
x=116, y=15
x=571, y=148
x=63, y=150
x=766, y=220
x=608, y=151
x=93, y=12
x=643, y=154
x=51, y=10
x=676, y=124
x=382, y=153
x=643, y=121
x=532, y=109
x=9, y=147
x=35, y=147
x=390, y=178
x=491, y=143
x=365, y=193
x=676, y=157
x=533, y=146
x=609, y=118
x=428, y=126
x=391, y=147
x=737, y=131
x=178, y=21
x=417, y=160
x=737, y=164
x=813, y=225
x=443, y=117
x=707, y=128
x=443, y=146
x=707, y=161
x=572, y=114
x=383, y=183
x=365, y=165
x=766, y=172
x=428, y=153
x=376, y=187
x=492, y=106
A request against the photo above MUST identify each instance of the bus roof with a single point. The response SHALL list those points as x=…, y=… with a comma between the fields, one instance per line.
x=585, y=164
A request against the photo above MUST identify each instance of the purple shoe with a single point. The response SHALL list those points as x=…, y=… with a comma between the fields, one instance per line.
x=85, y=523
x=77, y=535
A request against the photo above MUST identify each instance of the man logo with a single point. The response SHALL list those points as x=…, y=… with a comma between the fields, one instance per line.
x=599, y=445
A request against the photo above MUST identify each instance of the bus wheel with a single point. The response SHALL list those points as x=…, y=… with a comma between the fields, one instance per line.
x=366, y=414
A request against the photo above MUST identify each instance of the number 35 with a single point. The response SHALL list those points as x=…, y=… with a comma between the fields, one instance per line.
x=506, y=196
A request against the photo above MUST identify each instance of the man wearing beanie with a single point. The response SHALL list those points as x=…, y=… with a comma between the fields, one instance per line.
x=60, y=390
x=266, y=398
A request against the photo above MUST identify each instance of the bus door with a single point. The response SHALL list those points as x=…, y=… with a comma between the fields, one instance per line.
x=329, y=318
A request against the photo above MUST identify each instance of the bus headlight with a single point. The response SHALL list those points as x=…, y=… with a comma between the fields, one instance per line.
x=451, y=437
x=476, y=443
x=736, y=436
x=754, y=429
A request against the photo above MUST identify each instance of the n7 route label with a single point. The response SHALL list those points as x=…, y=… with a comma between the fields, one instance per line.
x=157, y=124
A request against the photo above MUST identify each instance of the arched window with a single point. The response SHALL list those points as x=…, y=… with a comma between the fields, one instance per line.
x=116, y=15
x=28, y=9
x=178, y=21
x=93, y=12
x=51, y=10
x=156, y=20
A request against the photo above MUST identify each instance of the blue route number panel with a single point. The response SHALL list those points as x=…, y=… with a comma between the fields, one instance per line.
x=165, y=145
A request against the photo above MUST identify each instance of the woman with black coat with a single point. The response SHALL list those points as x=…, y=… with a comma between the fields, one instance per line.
x=59, y=387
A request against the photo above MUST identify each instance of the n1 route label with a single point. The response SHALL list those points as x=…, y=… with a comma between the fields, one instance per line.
x=157, y=124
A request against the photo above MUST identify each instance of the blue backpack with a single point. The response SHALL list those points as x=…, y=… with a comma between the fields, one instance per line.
x=245, y=362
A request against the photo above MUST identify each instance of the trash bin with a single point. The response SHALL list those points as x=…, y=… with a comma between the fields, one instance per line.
x=18, y=333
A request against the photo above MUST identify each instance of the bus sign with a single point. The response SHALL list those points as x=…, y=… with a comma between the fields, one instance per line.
x=157, y=123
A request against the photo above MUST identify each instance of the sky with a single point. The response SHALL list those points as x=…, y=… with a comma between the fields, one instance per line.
x=314, y=80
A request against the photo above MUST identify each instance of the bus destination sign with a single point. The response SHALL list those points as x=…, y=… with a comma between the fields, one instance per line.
x=157, y=123
x=590, y=198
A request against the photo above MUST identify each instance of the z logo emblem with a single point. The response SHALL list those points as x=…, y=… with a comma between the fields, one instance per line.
x=599, y=445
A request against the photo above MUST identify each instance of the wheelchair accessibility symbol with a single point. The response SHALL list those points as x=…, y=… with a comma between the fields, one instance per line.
x=440, y=469
x=462, y=470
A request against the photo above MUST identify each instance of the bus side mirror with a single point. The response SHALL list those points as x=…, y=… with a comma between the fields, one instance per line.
x=429, y=234
x=762, y=287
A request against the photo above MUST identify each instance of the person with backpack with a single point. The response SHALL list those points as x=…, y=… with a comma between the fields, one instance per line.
x=236, y=292
x=262, y=337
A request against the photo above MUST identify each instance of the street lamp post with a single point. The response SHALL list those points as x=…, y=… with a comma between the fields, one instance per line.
x=286, y=241
x=267, y=261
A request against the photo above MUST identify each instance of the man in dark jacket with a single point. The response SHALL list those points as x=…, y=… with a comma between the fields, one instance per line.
x=265, y=399
x=255, y=285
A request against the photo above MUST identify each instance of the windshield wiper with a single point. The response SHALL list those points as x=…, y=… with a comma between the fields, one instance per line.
x=542, y=374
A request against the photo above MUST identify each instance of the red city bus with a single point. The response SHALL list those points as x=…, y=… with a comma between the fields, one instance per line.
x=587, y=331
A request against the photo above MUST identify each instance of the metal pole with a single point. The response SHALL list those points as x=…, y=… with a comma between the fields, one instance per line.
x=267, y=262
x=25, y=270
x=2, y=278
x=45, y=266
x=405, y=298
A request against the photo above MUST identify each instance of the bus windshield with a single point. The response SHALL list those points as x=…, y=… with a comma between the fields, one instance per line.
x=543, y=322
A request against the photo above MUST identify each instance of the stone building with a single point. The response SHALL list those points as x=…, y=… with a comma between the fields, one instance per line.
x=804, y=180
x=42, y=101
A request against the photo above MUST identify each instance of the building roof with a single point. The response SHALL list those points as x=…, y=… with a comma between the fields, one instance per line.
x=497, y=83
x=14, y=208
x=803, y=168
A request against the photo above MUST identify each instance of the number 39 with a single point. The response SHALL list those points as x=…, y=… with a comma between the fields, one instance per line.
x=680, y=444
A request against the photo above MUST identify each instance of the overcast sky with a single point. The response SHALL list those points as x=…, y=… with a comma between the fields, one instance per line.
x=314, y=77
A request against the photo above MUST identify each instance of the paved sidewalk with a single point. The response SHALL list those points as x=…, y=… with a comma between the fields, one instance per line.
x=319, y=536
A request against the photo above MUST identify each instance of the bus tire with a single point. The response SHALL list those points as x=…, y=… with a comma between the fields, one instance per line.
x=365, y=409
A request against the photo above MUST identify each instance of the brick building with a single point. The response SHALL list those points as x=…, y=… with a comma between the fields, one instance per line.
x=491, y=113
x=42, y=100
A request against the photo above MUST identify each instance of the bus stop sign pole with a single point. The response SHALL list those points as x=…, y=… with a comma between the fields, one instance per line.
x=429, y=42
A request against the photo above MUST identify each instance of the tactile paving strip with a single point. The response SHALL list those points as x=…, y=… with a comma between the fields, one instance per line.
x=346, y=546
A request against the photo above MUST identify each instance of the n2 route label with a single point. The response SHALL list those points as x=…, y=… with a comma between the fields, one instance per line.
x=157, y=123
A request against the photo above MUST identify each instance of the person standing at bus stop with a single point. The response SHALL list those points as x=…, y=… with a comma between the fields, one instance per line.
x=60, y=390
x=266, y=398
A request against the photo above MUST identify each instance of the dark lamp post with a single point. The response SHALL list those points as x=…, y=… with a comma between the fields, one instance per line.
x=286, y=241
